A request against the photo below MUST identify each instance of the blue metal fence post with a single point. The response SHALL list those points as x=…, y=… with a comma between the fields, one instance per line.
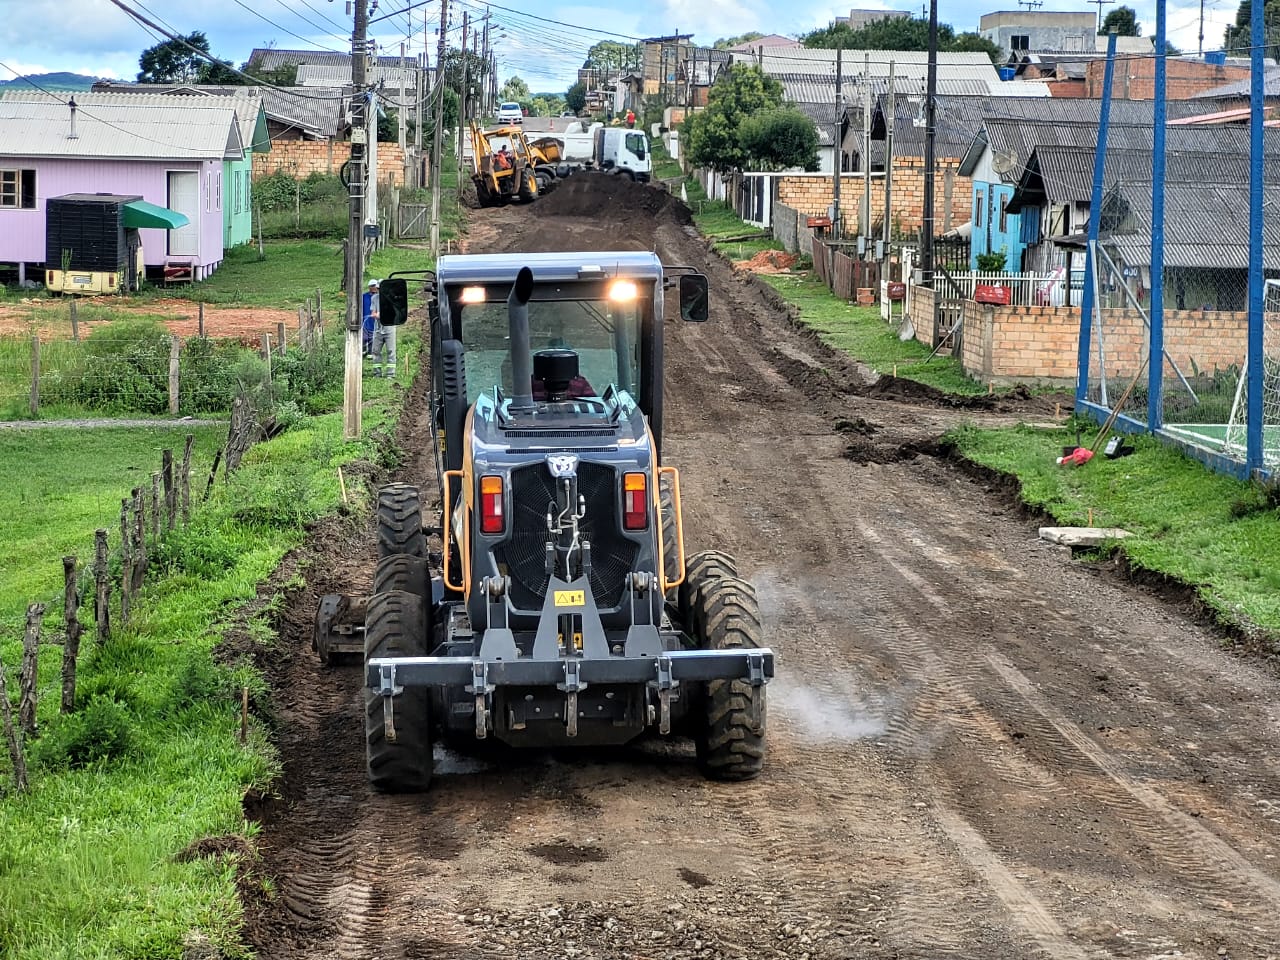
x=1095, y=213
x=1155, y=361
x=1253, y=431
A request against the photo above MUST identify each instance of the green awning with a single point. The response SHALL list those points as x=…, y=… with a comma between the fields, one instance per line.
x=139, y=213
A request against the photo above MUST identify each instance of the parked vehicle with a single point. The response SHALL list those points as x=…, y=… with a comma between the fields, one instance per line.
x=622, y=151
x=510, y=112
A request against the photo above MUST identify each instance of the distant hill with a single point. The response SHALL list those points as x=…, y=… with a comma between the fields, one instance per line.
x=51, y=81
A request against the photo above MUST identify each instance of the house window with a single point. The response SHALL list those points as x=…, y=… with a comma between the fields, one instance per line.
x=17, y=189
x=1004, y=214
x=217, y=188
x=979, y=203
x=1020, y=41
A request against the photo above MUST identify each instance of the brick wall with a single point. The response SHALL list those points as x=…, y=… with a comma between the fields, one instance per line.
x=1135, y=78
x=300, y=158
x=1008, y=344
x=812, y=195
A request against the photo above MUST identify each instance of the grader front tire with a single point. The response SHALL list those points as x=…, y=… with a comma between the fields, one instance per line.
x=730, y=743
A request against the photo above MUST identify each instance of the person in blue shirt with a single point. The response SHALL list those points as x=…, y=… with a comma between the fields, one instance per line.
x=369, y=312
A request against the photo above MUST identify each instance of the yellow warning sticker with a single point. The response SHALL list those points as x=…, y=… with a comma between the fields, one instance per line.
x=570, y=598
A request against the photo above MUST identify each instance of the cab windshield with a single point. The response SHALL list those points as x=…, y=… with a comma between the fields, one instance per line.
x=604, y=333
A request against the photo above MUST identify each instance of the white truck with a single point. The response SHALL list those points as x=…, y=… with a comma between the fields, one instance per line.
x=611, y=149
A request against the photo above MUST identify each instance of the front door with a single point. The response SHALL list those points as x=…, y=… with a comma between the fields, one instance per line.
x=184, y=197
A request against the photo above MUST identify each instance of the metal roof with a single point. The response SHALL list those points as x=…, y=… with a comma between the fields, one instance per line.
x=781, y=61
x=1241, y=88
x=336, y=75
x=1205, y=224
x=41, y=127
x=315, y=111
x=269, y=58
x=246, y=103
x=1065, y=174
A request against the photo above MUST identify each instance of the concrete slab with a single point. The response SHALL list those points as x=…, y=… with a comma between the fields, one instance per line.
x=1082, y=537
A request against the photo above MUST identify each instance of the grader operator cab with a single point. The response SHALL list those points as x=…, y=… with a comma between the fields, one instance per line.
x=505, y=167
x=562, y=608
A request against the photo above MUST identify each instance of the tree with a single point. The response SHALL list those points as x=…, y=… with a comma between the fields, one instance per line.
x=713, y=136
x=547, y=104
x=517, y=90
x=477, y=72
x=1238, y=36
x=174, y=61
x=575, y=97
x=724, y=43
x=1124, y=21
x=613, y=57
x=779, y=139
x=899, y=33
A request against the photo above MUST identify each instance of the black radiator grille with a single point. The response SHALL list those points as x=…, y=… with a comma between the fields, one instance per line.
x=524, y=552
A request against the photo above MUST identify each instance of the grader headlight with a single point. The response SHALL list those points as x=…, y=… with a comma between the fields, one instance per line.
x=623, y=291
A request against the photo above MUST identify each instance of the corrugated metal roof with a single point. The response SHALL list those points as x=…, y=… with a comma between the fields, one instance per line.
x=823, y=116
x=1205, y=225
x=1241, y=88
x=783, y=61
x=316, y=111
x=246, y=103
x=262, y=58
x=41, y=127
x=806, y=88
x=336, y=75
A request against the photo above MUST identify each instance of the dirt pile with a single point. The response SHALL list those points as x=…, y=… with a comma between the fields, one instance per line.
x=768, y=261
x=620, y=199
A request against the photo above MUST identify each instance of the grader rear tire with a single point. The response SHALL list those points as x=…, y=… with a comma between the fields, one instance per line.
x=396, y=625
x=670, y=536
x=399, y=571
x=700, y=570
x=729, y=746
x=400, y=521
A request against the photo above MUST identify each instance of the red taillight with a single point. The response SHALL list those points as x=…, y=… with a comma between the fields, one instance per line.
x=493, y=519
x=635, y=501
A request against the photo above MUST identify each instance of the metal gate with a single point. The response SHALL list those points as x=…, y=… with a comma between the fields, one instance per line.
x=415, y=221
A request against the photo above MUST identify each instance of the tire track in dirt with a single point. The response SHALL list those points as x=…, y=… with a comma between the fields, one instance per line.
x=916, y=803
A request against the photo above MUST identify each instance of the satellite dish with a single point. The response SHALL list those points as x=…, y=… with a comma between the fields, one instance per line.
x=1003, y=161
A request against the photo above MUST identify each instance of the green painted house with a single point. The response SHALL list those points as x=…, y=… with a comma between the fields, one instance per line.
x=237, y=175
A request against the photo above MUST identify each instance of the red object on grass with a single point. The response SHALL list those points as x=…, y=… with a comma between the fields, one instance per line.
x=1077, y=457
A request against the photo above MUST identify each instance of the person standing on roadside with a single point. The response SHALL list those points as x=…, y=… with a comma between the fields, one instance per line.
x=631, y=119
x=384, y=338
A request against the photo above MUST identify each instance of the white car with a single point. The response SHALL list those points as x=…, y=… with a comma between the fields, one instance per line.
x=510, y=112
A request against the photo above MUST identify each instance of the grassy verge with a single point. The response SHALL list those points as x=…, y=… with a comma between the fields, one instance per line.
x=858, y=331
x=1213, y=532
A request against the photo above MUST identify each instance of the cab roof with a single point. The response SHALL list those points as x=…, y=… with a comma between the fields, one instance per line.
x=503, y=267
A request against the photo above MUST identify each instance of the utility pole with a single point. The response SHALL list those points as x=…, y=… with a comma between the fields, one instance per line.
x=930, y=161
x=352, y=388
x=891, y=121
x=866, y=152
x=418, y=112
x=437, y=137
x=838, y=151
x=462, y=102
x=485, y=106
x=1200, y=50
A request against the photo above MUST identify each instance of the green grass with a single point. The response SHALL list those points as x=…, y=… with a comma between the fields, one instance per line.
x=1181, y=514
x=87, y=857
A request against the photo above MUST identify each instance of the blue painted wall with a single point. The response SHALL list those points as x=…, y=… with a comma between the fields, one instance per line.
x=992, y=232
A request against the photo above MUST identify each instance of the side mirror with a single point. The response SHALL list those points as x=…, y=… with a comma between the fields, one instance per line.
x=394, y=301
x=694, y=303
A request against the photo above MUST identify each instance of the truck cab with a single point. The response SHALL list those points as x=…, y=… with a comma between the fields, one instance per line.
x=624, y=151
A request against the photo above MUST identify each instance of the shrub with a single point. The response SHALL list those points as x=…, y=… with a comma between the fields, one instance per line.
x=991, y=262
x=103, y=730
x=123, y=367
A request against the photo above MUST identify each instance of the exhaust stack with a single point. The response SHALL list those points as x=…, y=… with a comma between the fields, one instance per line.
x=72, y=104
x=521, y=350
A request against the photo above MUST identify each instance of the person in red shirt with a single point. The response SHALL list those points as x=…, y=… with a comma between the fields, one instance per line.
x=631, y=118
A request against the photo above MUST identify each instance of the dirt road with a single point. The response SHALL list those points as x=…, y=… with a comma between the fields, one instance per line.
x=976, y=749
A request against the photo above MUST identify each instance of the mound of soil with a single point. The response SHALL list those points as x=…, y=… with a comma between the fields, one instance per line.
x=768, y=261
x=619, y=198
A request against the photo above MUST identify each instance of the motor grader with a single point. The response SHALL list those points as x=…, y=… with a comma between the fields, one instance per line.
x=505, y=167
x=562, y=608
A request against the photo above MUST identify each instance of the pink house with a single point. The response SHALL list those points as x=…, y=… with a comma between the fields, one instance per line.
x=171, y=156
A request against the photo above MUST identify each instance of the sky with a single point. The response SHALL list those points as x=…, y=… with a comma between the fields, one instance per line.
x=95, y=37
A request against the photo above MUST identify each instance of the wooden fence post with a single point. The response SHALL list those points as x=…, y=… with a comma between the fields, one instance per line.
x=27, y=680
x=126, y=563
x=200, y=315
x=304, y=333
x=11, y=735
x=213, y=475
x=319, y=313
x=175, y=347
x=139, y=539
x=155, y=508
x=282, y=338
x=75, y=321
x=102, y=584
x=71, y=646
x=166, y=468
x=266, y=353
x=35, y=375
x=184, y=479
